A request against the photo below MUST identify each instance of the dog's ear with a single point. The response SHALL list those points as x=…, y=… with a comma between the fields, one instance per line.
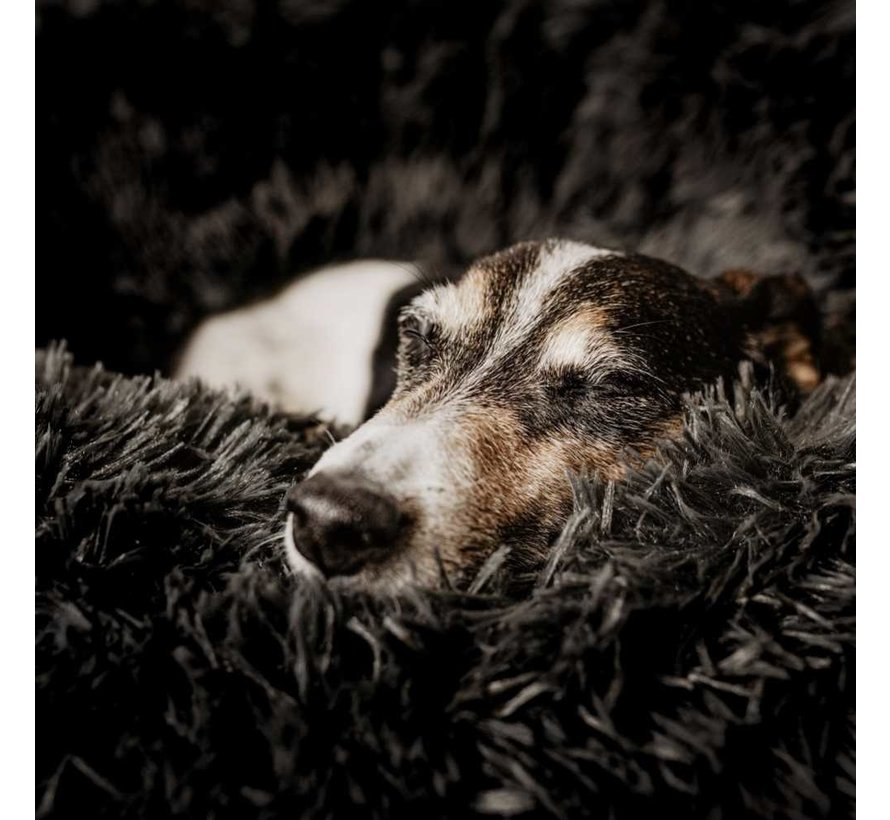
x=780, y=319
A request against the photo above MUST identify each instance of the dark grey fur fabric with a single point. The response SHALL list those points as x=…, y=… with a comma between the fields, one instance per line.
x=688, y=652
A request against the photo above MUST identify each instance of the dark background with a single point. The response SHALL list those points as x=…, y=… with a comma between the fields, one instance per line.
x=194, y=155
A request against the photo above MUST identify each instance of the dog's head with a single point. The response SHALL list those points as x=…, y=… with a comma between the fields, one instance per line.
x=544, y=360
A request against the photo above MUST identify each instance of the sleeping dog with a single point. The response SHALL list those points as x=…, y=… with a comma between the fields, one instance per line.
x=541, y=361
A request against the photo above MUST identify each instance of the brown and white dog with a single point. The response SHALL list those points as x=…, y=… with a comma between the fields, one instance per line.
x=544, y=360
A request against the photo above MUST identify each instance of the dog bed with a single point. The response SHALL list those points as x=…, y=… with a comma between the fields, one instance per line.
x=688, y=652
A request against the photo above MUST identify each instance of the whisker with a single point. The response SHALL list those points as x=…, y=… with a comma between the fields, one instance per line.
x=417, y=273
x=641, y=324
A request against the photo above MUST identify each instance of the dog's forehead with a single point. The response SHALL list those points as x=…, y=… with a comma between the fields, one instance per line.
x=511, y=288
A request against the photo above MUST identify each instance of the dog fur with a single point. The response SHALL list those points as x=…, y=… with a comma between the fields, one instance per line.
x=546, y=360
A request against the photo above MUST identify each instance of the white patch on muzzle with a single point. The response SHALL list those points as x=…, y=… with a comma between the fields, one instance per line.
x=406, y=458
x=413, y=462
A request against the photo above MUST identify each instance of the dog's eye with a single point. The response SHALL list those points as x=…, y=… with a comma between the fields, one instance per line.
x=569, y=384
x=621, y=384
x=417, y=338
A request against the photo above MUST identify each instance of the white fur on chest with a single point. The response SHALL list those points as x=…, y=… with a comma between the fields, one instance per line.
x=309, y=349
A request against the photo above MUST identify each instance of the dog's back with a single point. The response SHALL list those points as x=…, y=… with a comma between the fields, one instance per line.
x=326, y=344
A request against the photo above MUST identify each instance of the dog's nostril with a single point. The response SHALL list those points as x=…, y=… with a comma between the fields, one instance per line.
x=342, y=524
x=300, y=516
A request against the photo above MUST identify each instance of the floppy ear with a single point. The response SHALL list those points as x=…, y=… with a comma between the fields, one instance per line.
x=780, y=319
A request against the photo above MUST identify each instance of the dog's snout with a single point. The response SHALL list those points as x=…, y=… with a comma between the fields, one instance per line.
x=342, y=524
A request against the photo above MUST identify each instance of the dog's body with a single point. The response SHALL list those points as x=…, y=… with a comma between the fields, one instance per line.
x=325, y=345
x=544, y=360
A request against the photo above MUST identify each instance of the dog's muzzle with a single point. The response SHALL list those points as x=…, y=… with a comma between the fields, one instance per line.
x=342, y=524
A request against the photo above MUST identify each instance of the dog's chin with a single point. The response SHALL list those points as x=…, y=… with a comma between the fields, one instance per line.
x=399, y=574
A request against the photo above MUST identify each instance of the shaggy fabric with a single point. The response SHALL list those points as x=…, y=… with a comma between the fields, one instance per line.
x=687, y=652
x=194, y=154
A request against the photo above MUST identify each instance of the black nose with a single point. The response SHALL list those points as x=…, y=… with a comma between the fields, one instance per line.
x=341, y=523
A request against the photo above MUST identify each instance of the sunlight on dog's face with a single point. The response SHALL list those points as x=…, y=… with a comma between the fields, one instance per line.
x=544, y=360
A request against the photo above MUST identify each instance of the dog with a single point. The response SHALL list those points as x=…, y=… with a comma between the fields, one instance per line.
x=545, y=360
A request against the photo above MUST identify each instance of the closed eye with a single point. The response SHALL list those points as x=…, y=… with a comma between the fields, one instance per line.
x=574, y=385
x=418, y=339
x=568, y=384
x=413, y=333
x=623, y=383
